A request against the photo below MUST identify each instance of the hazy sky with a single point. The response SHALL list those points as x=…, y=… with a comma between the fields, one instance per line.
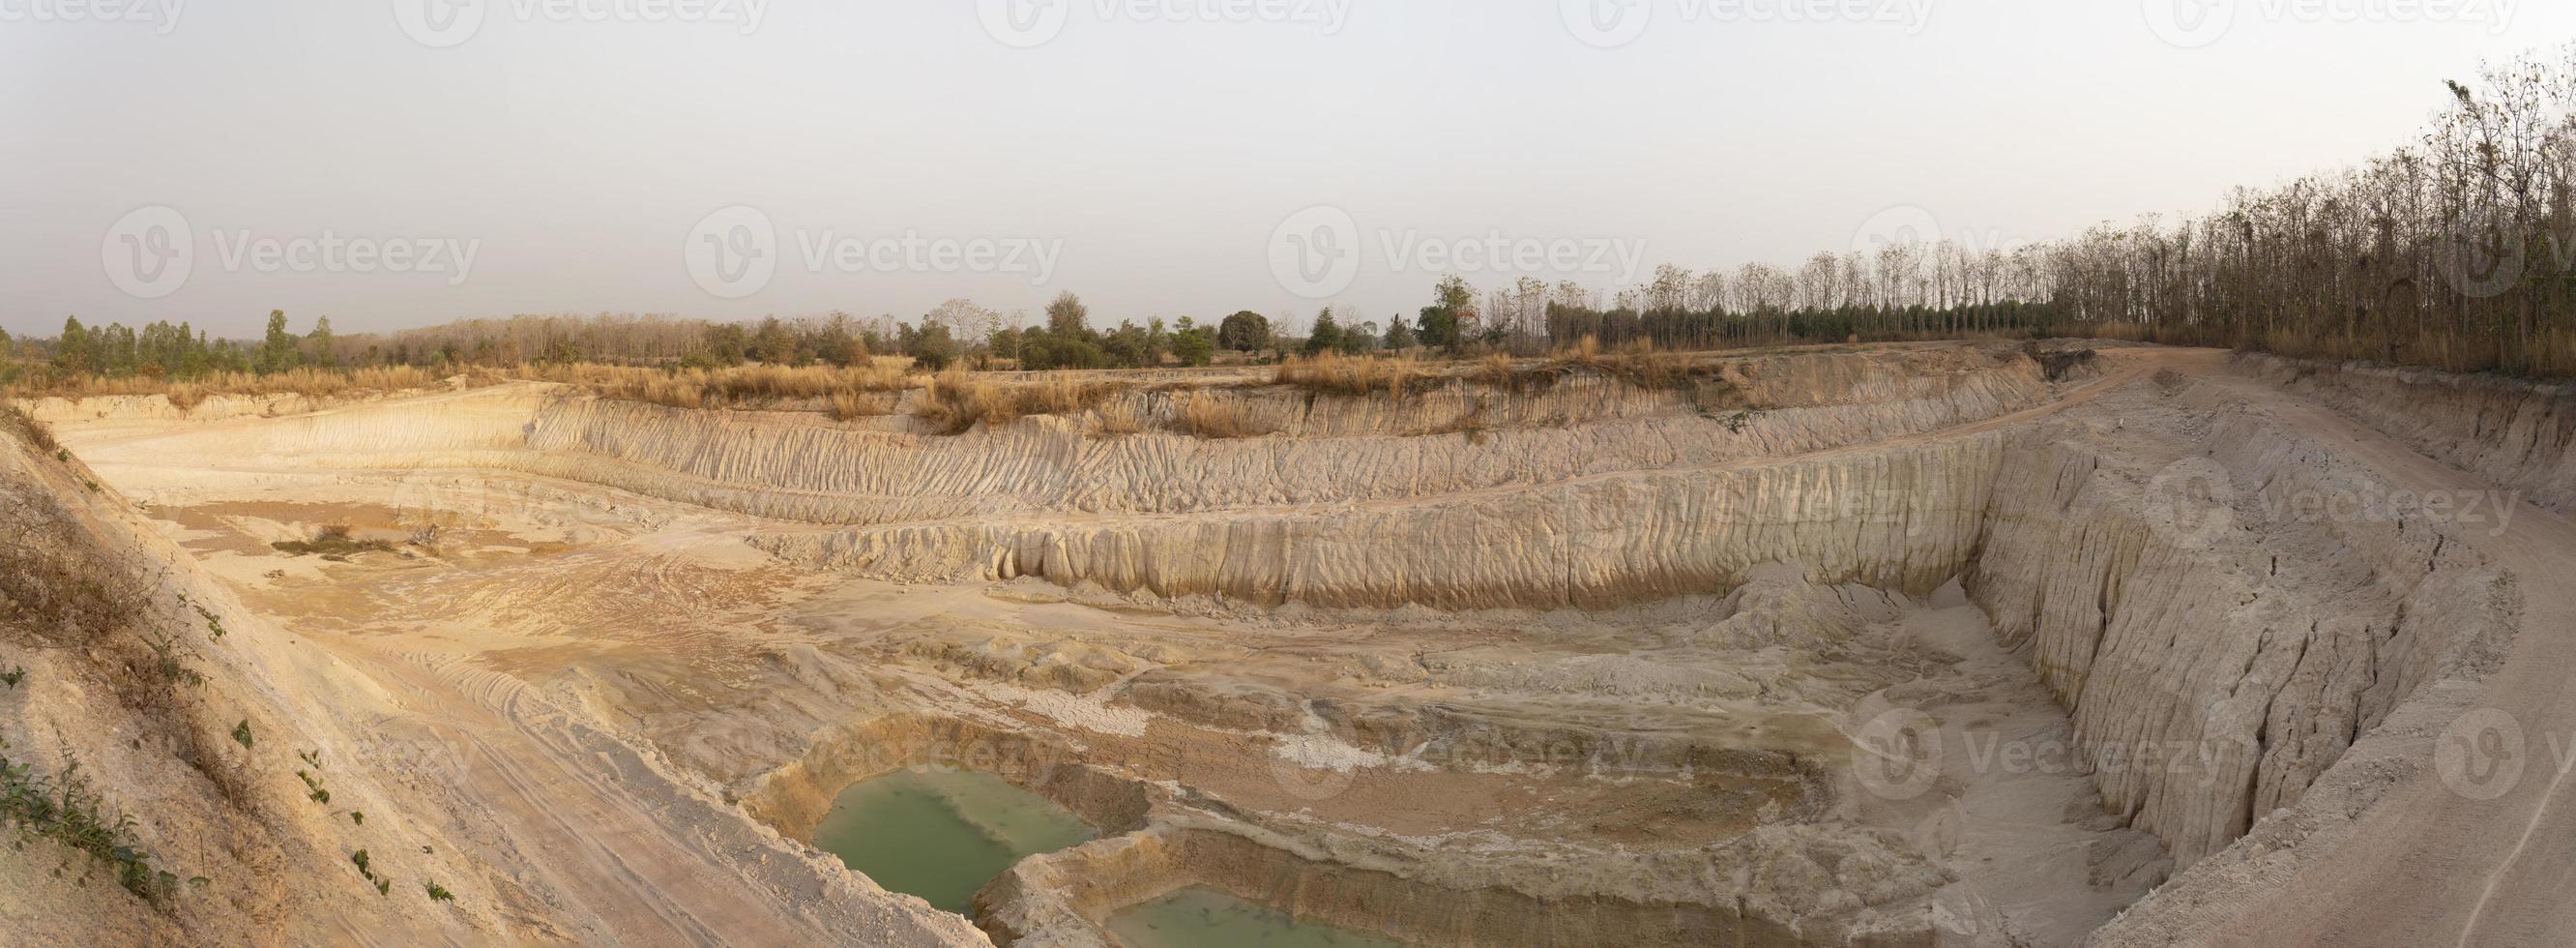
x=729, y=159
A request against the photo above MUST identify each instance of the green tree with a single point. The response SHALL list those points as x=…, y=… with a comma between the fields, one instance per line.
x=775, y=345
x=277, y=353
x=1195, y=347
x=1453, y=301
x=318, y=343
x=726, y=344
x=72, y=352
x=1245, y=331
x=1327, y=336
x=1066, y=316
x=1399, y=334
x=1127, y=346
x=931, y=347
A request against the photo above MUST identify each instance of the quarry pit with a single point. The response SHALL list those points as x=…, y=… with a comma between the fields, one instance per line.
x=1970, y=643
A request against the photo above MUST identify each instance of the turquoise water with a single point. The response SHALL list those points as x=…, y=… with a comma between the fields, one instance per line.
x=941, y=833
x=1199, y=918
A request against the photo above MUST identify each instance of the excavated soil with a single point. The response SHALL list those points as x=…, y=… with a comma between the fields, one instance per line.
x=1939, y=644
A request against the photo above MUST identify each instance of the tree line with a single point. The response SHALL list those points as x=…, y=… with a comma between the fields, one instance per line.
x=2454, y=252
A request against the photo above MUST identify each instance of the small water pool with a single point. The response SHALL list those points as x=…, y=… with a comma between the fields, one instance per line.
x=1201, y=918
x=941, y=833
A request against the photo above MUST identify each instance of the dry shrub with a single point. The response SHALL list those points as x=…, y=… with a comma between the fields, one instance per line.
x=957, y=400
x=1121, y=417
x=35, y=434
x=851, y=406
x=1210, y=415
x=315, y=383
x=186, y=396
x=1332, y=373
x=1638, y=363
x=841, y=393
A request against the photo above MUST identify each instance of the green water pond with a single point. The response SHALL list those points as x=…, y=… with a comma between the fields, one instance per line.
x=942, y=833
x=1201, y=918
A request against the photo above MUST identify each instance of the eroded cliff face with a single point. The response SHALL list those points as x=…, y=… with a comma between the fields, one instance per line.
x=1903, y=517
x=799, y=466
x=2218, y=642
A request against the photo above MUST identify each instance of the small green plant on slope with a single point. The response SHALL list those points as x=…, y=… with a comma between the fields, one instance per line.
x=241, y=732
x=14, y=676
x=214, y=623
x=314, y=788
x=66, y=811
x=168, y=658
x=438, y=893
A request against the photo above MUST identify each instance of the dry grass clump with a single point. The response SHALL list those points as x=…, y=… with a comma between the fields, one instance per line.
x=957, y=400
x=35, y=433
x=1638, y=363
x=851, y=406
x=738, y=386
x=1332, y=373
x=317, y=383
x=1118, y=417
x=1211, y=415
x=1499, y=370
